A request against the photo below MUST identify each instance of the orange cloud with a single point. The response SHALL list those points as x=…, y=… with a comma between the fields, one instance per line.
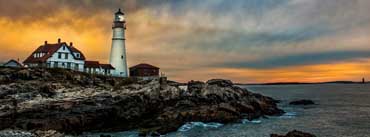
x=183, y=50
x=307, y=73
x=21, y=37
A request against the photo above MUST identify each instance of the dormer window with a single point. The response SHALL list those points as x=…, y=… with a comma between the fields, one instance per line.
x=38, y=55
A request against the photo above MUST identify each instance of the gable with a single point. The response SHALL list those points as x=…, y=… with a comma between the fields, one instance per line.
x=64, y=53
x=63, y=49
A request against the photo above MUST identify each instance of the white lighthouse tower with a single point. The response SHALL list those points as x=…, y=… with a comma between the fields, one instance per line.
x=118, y=50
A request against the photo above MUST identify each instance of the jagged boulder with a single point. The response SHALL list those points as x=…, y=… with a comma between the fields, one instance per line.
x=220, y=82
x=195, y=86
x=47, y=90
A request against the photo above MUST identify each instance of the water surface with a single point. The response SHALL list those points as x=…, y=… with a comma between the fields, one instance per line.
x=343, y=110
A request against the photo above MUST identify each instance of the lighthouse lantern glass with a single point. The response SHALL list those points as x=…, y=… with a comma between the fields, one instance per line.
x=120, y=18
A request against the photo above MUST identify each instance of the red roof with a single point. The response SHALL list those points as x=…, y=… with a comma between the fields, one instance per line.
x=49, y=50
x=144, y=66
x=106, y=66
x=92, y=64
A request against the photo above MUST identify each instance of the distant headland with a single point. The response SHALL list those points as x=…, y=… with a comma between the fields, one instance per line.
x=305, y=83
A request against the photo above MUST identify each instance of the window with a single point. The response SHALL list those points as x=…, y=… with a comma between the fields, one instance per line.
x=66, y=56
x=69, y=65
x=76, y=66
x=121, y=57
x=59, y=55
x=64, y=47
x=55, y=64
x=78, y=55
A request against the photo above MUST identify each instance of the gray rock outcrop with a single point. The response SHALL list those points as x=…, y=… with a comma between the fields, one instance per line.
x=73, y=102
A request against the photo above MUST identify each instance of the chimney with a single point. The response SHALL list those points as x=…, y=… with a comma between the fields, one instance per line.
x=71, y=44
x=59, y=41
x=46, y=42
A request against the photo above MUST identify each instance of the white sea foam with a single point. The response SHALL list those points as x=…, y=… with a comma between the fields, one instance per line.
x=288, y=115
x=191, y=125
x=255, y=121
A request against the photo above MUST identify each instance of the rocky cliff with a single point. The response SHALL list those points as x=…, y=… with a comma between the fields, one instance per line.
x=74, y=102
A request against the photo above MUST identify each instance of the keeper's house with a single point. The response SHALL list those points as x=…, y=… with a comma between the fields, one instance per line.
x=62, y=55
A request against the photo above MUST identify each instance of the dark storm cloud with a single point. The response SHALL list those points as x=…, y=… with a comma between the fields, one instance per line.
x=181, y=35
x=222, y=8
x=300, y=59
x=41, y=8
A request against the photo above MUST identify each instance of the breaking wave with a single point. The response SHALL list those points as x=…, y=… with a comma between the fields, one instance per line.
x=191, y=125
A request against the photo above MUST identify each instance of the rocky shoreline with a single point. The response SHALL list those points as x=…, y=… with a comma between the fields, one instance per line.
x=74, y=102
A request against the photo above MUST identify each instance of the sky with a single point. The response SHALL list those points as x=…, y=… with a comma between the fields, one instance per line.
x=247, y=41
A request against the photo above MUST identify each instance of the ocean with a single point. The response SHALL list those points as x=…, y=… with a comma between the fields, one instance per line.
x=342, y=110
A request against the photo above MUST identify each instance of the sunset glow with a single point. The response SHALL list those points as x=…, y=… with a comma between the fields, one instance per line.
x=285, y=41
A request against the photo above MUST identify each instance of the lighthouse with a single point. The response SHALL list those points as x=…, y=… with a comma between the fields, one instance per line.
x=118, y=49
